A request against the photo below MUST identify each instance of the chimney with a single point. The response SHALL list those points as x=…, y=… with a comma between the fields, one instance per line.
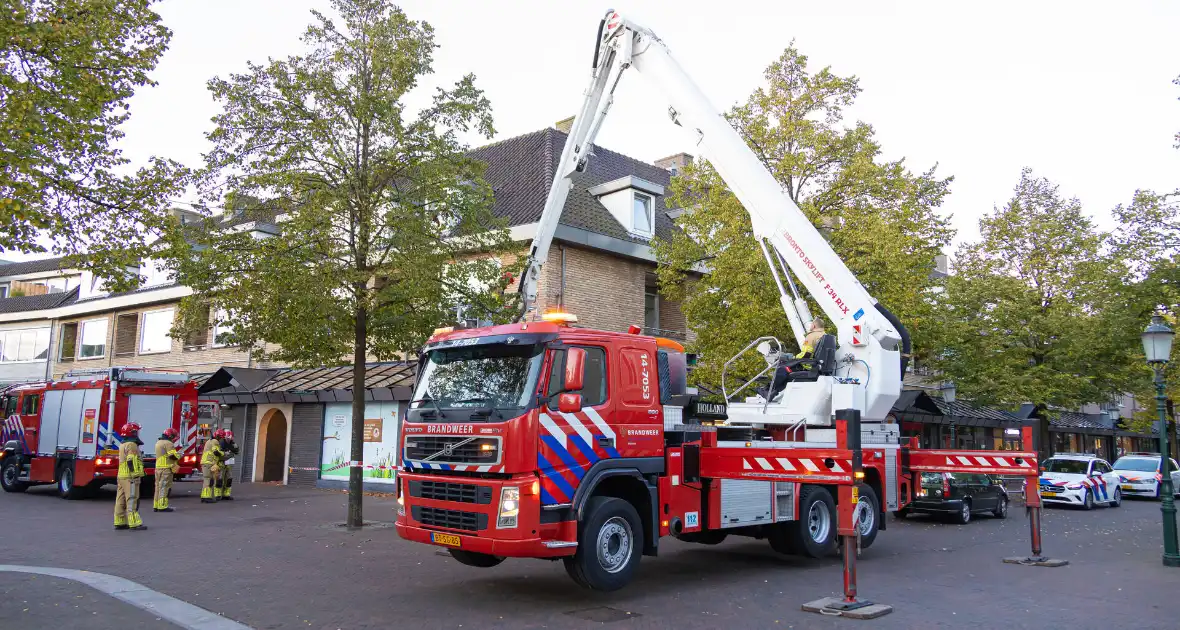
x=564, y=126
x=674, y=163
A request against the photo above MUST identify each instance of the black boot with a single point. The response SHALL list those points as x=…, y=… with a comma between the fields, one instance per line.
x=167, y=509
x=120, y=527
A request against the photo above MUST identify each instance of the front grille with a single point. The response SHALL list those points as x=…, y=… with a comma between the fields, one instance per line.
x=450, y=519
x=453, y=449
x=447, y=491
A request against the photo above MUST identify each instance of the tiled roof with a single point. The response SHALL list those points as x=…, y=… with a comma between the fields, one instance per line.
x=520, y=171
x=377, y=375
x=37, y=302
x=1074, y=420
x=967, y=410
x=30, y=266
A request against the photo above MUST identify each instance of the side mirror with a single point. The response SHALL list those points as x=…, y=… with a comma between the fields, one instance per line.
x=575, y=369
x=569, y=403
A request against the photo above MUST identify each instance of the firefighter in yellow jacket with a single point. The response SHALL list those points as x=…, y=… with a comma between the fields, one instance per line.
x=210, y=467
x=167, y=464
x=229, y=448
x=130, y=474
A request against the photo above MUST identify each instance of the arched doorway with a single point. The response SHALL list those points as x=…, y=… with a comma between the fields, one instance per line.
x=271, y=461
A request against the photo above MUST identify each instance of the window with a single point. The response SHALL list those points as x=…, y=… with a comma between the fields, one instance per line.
x=30, y=404
x=221, y=328
x=651, y=310
x=1101, y=467
x=94, y=339
x=154, y=329
x=641, y=220
x=593, y=379
x=68, y=342
x=126, y=334
x=24, y=345
x=10, y=406
x=3, y=290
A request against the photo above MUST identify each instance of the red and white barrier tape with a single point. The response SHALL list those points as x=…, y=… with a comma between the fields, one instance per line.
x=344, y=465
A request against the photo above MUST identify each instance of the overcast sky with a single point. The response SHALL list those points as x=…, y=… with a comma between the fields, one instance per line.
x=1080, y=91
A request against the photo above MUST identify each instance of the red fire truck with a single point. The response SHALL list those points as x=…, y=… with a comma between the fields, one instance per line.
x=65, y=432
x=541, y=440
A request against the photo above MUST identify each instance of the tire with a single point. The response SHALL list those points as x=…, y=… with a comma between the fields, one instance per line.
x=1118, y=498
x=1088, y=500
x=475, y=559
x=10, y=475
x=610, y=543
x=66, y=486
x=1001, y=510
x=815, y=533
x=868, y=506
x=964, y=515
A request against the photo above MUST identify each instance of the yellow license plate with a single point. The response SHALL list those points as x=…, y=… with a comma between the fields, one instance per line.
x=1126, y=486
x=449, y=540
x=1048, y=494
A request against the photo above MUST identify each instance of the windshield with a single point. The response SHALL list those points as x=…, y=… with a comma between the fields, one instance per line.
x=497, y=375
x=1072, y=466
x=1138, y=464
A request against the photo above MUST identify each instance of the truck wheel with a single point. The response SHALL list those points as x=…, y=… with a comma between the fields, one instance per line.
x=815, y=535
x=610, y=543
x=784, y=538
x=66, y=488
x=868, y=515
x=10, y=476
x=475, y=559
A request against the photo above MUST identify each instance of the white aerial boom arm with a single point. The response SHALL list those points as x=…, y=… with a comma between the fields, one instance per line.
x=866, y=332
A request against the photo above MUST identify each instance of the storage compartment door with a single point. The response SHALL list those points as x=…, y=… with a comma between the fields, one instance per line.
x=153, y=414
x=47, y=432
x=69, y=427
x=88, y=433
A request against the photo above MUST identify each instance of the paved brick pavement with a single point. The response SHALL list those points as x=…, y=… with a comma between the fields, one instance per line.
x=272, y=560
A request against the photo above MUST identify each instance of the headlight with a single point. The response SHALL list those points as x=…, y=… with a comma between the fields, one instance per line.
x=401, y=506
x=509, y=507
x=1074, y=486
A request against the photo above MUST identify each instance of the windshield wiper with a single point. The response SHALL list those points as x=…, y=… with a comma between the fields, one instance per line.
x=482, y=411
x=433, y=402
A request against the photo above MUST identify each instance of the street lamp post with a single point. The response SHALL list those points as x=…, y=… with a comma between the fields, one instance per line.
x=1157, y=347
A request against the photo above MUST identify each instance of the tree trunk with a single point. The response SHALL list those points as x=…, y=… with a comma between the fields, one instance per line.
x=356, y=473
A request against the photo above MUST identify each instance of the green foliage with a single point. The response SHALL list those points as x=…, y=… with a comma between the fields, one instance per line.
x=379, y=221
x=1028, y=311
x=878, y=216
x=67, y=70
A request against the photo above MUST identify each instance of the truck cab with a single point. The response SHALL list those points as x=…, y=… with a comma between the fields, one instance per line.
x=512, y=429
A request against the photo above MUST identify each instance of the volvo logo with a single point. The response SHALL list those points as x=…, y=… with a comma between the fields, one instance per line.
x=448, y=450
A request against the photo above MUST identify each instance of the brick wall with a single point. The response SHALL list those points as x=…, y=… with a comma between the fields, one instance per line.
x=604, y=291
x=307, y=427
x=246, y=444
x=195, y=360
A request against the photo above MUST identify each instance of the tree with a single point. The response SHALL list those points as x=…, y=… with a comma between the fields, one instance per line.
x=1148, y=241
x=378, y=220
x=1028, y=311
x=878, y=216
x=67, y=70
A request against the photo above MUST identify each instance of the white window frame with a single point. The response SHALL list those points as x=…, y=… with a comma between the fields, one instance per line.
x=82, y=335
x=228, y=327
x=143, y=329
x=651, y=213
x=20, y=332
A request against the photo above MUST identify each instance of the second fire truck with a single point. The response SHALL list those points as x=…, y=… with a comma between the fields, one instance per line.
x=66, y=432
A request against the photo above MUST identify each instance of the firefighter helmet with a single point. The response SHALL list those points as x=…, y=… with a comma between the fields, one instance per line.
x=229, y=435
x=171, y=434
x=218, y=434
x=129, y=429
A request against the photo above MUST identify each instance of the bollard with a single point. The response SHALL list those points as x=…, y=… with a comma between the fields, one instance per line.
x=1033, y=506
x=848, y=437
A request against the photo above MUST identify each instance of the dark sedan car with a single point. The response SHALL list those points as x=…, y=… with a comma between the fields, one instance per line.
x=958, y=495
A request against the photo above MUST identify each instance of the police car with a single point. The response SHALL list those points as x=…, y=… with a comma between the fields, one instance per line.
x=1139, y=474
x=1081, y=480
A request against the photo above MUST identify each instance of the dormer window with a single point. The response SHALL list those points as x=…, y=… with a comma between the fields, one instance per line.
x=642, y=219
x=632, y=202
